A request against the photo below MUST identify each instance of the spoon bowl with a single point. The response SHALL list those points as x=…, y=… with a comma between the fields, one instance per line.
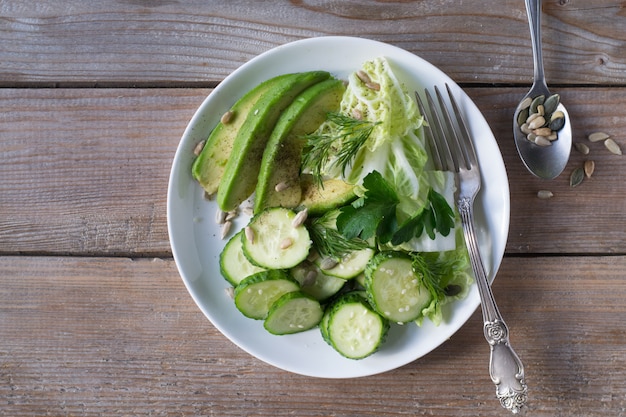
x=543, y=161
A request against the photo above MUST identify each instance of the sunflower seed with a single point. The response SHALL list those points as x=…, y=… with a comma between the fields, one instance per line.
x=576, y=177
x=537, y=123
x=249, y=234
x=544, y=194
x=281, y=186
x=363, y=76
x=373, y=86
x=524, y=104
x=542, y=141
x=300, y=218
x=227, y=117
x=225, y=229
x=198, y=148
x=589, y=166
x=597, y=136
x=220, y=217
x=286, y=243
x=612, y=146
x=543, y=131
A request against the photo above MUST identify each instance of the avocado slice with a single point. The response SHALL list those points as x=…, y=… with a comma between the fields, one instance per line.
x=320, y=198
x=242, y=169
x=279, y=177
x=208, y=167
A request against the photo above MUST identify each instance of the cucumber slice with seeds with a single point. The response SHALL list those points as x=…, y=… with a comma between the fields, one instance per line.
x=353, y=328
x=255, y=295
x=315, y=282
x=273, y=242
x=349, y=266
x=293, y=312
x=234, y=265
x=394, y=288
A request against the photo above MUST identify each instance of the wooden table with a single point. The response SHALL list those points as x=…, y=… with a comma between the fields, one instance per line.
x=94, y=318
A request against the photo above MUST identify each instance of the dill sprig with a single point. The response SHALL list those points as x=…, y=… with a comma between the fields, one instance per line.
x=342, y=140
x=329, y=242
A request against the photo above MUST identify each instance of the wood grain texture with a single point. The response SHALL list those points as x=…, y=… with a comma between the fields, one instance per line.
x=169, y=42
x=88, y=174
x=114, y=336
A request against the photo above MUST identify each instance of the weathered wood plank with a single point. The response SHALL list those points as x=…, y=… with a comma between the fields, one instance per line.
x=73, y=158
x=114, y=336
x=87, y=170
x=164, y=42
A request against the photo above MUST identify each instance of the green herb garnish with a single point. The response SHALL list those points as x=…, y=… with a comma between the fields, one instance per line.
x=329, y=242
x=374, y=214
x=342, y=137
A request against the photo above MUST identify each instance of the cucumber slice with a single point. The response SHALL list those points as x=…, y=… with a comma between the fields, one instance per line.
x=353, y=328
x=316, y=283
x=293, y=312
x=255, y=295
x=350, y=265
x=274, y=242
x=234, y=265
x=394, y=288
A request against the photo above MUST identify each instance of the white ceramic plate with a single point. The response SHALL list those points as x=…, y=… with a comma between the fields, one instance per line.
x=195, y=237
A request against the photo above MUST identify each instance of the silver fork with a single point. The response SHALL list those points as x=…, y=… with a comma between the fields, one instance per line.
x=452, y=150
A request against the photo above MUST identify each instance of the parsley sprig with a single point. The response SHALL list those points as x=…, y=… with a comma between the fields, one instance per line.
x=374, y=214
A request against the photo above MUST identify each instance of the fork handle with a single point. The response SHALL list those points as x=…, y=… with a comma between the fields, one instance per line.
x=505, y=368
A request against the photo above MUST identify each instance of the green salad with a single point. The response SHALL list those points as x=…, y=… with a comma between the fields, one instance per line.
x=352, y=230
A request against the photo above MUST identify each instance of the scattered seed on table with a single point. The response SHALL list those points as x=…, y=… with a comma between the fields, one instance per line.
x=612, y=146
x=544, y=194
x=582, y=148
x=589, y=166
x=597, y=136
x=576, y=178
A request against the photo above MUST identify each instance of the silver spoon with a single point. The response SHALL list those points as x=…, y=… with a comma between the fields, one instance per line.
x=543, y=161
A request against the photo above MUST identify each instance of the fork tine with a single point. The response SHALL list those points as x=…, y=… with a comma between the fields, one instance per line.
x=430, y=137
x=467, y=142
x=447, y=157
x=451, y=134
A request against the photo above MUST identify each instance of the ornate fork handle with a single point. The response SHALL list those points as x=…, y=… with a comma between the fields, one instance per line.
x=505, y=368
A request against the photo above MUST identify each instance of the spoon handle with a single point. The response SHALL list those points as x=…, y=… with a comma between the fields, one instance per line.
x=533, y=10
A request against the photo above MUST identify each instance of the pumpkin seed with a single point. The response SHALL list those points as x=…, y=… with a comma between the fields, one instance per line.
x=522, y=116
x=612, y=146
x=597, y=136
x=551, y=103
x=536, y=102
x=576, y=178
x=557, y=124
x=589, y=167
x=582, y=148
